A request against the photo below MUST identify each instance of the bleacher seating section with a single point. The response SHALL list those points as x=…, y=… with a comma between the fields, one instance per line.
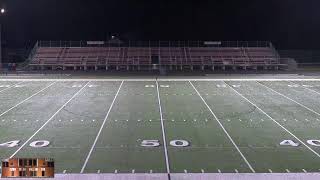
x=151, y=57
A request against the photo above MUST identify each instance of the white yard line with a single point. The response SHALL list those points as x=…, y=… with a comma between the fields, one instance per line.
x=307, y=88
x=225, y=131
x=289, y=99
x=100, y=130
x=274, y=121
x=11, y=86
x=163, y=131
x=64, y=105
x=27, y=98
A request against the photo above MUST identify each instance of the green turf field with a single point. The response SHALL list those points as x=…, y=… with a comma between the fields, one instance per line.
x=149, y=126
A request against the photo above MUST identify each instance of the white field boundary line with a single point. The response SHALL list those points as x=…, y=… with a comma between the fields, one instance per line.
x=100, y=130
x=225, y=131
x=63, y=106
x=27, y=98
x=169, y=79
x=308, y=88
x=289, y=99
x=12, y=86
x=285, y=129
x=163, y=132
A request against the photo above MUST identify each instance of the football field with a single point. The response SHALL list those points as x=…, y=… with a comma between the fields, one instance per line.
x=163, y=125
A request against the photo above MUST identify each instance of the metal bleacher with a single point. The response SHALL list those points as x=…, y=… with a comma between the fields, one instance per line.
x=155, y=55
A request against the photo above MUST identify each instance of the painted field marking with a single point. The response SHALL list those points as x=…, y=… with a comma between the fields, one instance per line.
x=225, y=131
x=10, y=87
x=185, y=171
x=27, y=99
x=285, y=129
x=290, y=99
x=236, y=170
x=100, y=130
x=163, y=132
x=64, y=105
x=307, y=87
x=219, y=170
x=270, y=171
x=287, y=170
x=164, y=86
x=304, y=170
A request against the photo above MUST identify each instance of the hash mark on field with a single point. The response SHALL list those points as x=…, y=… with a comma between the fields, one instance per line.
x=304, y=170
x=270, y=171
x=287, y=170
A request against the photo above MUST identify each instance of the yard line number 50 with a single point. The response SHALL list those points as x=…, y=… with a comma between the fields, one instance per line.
x=156, y=143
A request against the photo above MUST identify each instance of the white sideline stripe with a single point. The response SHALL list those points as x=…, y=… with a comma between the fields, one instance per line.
x=225, y=131
x=49, y=120
x=11, y=86
x=289, y=98
x=172, y=79
x=27, y=99
x=100, y=130
x=163, y=130
x=275, y=121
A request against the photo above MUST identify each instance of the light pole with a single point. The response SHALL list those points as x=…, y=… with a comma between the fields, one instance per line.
x=2, y=11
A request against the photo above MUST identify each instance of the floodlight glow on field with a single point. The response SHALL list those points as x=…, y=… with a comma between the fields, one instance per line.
x=2, y=11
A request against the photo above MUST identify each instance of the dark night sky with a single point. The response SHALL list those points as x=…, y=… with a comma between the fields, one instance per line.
x=287, y=23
